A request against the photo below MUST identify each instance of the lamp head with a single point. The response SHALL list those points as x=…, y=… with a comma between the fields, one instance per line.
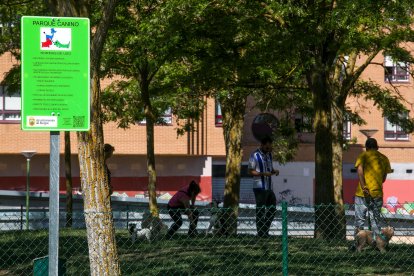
x=29, y=153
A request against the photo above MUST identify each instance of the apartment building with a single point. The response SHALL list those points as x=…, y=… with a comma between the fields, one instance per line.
x=200, y=155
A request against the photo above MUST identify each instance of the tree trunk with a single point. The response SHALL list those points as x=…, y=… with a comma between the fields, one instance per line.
x=103, y=255
x=233, y=110
x=325, y=220
x=150, y=120
x=337, y=142
x=68, y=177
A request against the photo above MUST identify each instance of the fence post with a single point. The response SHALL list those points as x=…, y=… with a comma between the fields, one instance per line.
x=127, y=217
x=21, y=217
x=285, y=251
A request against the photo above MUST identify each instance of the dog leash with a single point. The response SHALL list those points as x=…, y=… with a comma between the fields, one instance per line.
x=377, y=216
x=376, y=213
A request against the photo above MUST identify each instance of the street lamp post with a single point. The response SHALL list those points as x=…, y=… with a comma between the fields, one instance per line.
x=28, y=154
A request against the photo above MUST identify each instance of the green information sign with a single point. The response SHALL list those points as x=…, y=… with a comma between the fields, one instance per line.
x=55, y=74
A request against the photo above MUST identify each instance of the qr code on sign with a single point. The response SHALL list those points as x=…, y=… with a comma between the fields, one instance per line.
x=78, y=121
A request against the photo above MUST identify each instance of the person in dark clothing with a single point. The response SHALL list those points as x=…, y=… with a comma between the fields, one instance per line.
x=183, y=201
x=261, y=168
x=108, y=152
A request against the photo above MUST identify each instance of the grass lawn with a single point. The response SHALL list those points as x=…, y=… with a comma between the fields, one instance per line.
x=241, y=255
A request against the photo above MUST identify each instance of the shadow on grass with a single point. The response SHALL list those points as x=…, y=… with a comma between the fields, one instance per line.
x=202, y=255
x=239, y=255
x=315, y=257
x=19, y=248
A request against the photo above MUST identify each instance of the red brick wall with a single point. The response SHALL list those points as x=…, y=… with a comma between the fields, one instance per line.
x=209, y=139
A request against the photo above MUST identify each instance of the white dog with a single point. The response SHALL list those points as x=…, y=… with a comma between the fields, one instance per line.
x=151, y=228
x=215, y=219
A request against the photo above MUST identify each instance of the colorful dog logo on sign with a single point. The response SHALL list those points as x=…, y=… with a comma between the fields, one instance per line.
x=56, y=38
x=60, y=45
x=49, y=38
x=47, y=43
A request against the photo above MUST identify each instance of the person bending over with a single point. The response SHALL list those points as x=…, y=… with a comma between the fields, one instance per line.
x=183, y=201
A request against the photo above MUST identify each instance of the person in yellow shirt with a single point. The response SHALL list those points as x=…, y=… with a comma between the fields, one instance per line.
x=372, y=167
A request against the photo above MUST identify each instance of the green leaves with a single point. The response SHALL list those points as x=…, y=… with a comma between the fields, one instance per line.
x=144, y=42
x=10, y=14
x=12, y=80
x=121, y=102
x=285, y=142
x=391, y=103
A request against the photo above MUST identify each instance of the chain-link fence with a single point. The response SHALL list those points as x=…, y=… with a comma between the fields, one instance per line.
x=292, y=240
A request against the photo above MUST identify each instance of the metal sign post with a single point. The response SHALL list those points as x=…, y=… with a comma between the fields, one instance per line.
x=54, y=203
x=55, y=93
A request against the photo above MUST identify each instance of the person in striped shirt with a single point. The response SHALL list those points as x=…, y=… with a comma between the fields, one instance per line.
x=261, y=168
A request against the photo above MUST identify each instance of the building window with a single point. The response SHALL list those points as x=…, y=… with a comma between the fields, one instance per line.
x=303, y=123
x=394, y=132
x=6, y=27
x=218, y=115
x=165, y=119
x=396, y=71
x=10, y=106
x=347, y=130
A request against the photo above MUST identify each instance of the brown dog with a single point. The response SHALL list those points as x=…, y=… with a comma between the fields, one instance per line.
x=364, y=238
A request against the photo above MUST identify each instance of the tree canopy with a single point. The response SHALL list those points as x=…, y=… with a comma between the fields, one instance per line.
x=335, y=42
x=302, y=56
